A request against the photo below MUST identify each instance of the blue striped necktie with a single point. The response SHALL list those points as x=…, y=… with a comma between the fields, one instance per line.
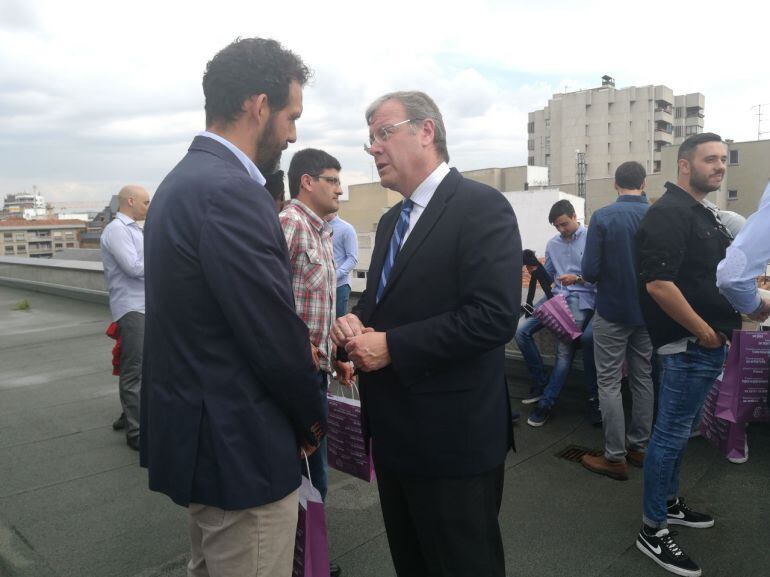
x=395, y=245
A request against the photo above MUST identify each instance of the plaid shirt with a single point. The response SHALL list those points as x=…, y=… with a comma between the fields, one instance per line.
x=313, y=275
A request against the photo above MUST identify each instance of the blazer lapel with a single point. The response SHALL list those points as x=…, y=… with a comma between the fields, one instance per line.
x=422, y=229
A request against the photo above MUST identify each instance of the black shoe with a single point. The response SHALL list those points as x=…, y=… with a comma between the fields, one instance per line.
x=680, y=514
x=334, y=570
x=661, y=548
x=133, y=442
x=120, y=423
x=594, y=412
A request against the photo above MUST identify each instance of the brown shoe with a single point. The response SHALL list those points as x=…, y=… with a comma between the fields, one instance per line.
x=600, y=464
x=635, y=458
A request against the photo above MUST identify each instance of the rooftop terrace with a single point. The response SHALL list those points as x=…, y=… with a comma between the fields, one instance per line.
x=75, y=503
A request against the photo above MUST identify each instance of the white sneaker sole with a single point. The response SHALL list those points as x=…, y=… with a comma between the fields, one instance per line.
x=683, y=523
x=667, y=567
x=531, y=400
x=532, y=423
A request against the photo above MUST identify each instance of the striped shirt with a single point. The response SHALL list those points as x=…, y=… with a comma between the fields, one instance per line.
x=313, y=275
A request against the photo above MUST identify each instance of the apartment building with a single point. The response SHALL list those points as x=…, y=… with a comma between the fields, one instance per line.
x=39, y=238
x=608, y=126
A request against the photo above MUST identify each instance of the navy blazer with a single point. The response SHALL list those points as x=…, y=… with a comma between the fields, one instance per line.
x=229, y=386
x=441, y=408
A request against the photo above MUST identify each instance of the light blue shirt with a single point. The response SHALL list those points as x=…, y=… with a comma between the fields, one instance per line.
x=565, y=256
x=248, y=164
x=122, y=245
x=345, y=249
x=747, y=259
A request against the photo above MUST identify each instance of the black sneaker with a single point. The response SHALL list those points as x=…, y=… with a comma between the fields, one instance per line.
x=661, y=548
x=680, y=514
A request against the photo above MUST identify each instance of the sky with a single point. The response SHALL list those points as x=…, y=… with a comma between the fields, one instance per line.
x=98, y=94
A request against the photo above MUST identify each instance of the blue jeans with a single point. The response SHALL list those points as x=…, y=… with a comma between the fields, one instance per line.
x=685, y=380
x=318, y=461
x=564, y=353
x=343, y=294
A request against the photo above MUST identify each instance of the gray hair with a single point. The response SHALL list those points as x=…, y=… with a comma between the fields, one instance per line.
x=418, y=106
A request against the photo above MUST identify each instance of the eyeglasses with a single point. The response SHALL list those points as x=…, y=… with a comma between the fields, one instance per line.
x=333, y=180
x=383, y=133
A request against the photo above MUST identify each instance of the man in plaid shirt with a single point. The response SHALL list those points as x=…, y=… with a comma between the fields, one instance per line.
x=314, y=186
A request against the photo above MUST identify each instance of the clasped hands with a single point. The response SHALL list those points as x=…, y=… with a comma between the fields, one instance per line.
x=367, y=348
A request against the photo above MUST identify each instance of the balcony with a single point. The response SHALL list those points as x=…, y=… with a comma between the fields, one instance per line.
x=663, y=115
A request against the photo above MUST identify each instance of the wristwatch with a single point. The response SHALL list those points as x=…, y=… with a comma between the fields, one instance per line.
x=579, y=279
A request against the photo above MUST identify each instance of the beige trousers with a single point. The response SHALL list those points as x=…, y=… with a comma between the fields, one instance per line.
x=257, y=542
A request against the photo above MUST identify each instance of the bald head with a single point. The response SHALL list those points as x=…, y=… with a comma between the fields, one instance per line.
x=133, y=201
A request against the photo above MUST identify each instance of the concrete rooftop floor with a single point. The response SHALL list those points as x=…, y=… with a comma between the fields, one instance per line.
x=74, y=502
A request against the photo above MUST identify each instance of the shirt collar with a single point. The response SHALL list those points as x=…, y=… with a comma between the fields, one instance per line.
x=632, y=198
x=247, y=163
x=682, y=195
x=423, y=193
x=125, y=219
x=315, y=221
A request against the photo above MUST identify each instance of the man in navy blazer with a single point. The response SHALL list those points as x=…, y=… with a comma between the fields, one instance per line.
x=230, y=391
x=428, y=337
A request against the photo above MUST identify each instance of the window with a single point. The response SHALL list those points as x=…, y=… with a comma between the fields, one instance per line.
x=58, y=245
x=360, y=274
x=531, y=161
x=530, y=145
x=733, y=157
x=678, y=131
x=694, y=129
x=70, y=245
x=530, y=127
x=609, y=148
x=656, y=166
x=586, y=130
x=609, y=168
x=609, y=128
x=8, y=250
x=679, y=112
x=732, y=195
x=21, y=249
x=8, y=236
x=19, y=236
x=630, y=146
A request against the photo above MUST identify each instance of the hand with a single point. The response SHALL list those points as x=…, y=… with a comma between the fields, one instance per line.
x=368, y=351
x=711, y=339
x=316, y=356
x=346, y=327
x=307, y=449
x=345, y=373
x=763, y=311
x=567, y=279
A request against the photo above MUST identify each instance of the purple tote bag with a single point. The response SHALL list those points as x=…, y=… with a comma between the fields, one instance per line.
x=743, y=394
x=311, y=546
x=728, y=438
x=346, y=448
x=555, y=315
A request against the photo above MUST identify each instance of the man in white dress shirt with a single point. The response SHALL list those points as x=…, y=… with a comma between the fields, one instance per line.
x=122, y=245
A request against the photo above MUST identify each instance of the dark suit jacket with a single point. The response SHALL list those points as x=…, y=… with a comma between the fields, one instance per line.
x=441, y=408
x=229, y=384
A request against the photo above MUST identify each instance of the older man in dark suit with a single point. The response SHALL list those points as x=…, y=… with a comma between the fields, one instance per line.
x=428, y=336
x=230, y=391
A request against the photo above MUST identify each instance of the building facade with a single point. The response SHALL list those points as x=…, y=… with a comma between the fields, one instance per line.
x=39, y=238
x=610, y=126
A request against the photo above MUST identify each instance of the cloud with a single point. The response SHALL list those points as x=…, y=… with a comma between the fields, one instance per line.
x=95, y=94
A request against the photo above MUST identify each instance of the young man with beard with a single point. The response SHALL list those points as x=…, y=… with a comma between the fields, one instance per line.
x=230, y=393
x=680, y=243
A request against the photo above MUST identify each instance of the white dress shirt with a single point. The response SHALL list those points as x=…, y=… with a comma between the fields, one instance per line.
x=422, y=195
x=248, y=164
x=122, y=245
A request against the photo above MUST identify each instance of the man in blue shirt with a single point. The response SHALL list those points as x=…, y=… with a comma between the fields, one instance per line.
x=563, y=256
x=609, y=261
x=747, y=259
x=345, y=257
x=122, y=244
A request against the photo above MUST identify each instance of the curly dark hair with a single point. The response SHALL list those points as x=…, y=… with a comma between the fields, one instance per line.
x=246, y=67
